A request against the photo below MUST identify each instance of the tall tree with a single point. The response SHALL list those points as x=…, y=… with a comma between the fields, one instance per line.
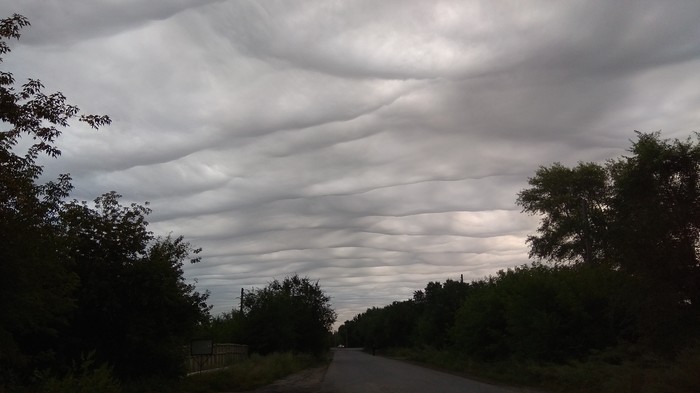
x=656, y=227
x=657, y=211
x=438, y=304
x=35, y=285
x=572, y=203
x=75, y=278
x=640, y=214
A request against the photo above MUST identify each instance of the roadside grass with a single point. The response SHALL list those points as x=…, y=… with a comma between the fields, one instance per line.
x=251, y=373
x=612, y=371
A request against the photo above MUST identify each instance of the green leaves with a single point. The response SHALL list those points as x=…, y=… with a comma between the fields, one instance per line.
x=543, y=313
x=639, y=214
x=30, y=111
x=292, y=314
x=572, y=203
x=9, y=28
x=74, y=277
x=625, y=238
x=133, y=304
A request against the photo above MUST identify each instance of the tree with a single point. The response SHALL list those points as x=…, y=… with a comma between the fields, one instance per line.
x=438, y=304
x=657, y=211
x=545, y=313
x=656, y=229
x=639, y=214
x=73, y=278
x=134, y=307
x=573, y=205
x=350, y=333
x=289, y=315
x=35, y=284
x=227, y=327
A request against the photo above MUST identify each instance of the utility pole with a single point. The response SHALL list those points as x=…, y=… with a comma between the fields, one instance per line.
x=241, y=301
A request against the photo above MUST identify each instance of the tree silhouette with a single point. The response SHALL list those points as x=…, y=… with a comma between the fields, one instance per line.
x=289, y=315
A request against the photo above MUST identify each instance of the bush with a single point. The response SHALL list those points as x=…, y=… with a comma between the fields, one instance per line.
x=85, y=378
x=545, y=313
x=252, y=373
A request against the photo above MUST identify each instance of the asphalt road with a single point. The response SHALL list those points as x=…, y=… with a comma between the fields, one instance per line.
x=353, y=371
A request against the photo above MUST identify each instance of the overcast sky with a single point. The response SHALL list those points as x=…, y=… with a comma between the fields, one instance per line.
x=372, y=145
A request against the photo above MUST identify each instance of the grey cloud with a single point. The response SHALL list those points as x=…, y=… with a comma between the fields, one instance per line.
x=375, y=146
x=405, y=40
x=58, y=22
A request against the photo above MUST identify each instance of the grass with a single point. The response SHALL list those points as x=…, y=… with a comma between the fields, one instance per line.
x=254, y=372
x=617, y=371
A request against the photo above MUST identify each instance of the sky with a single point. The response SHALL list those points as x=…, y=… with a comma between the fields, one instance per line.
x=374, y=146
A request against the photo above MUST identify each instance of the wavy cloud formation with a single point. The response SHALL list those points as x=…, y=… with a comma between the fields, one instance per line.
x=374, y=146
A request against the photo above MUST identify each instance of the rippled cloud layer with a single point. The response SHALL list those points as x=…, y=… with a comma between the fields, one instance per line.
x=374, y=146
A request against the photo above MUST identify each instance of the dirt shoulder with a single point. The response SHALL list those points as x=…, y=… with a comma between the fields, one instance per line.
x=306, y=381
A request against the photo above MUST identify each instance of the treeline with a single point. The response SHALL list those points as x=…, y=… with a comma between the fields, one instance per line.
x=86, y=290
x=534, y=312
x=618, y=244
x=292, y=315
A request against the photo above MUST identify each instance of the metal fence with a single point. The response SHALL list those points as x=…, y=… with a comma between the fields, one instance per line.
x=222, y=355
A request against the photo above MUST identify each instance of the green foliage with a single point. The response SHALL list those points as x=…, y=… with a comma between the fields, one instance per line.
x=367, y=329
x=76, y=278
x=228, y=327
x=573, y=204
x=621, y=369
x=437, y=306
x=35, y=285
x=424, y=320
x=617, y=311
x=396, y=329
x=656, y=227
x=535, y=313
x=252, y=373
x=83, y=378
x=639, y=214
x=290, y=315
x=134, y=306
x=249, y=374
x=545, y=314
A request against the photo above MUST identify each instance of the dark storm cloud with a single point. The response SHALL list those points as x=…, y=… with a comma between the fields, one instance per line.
x=375, y=146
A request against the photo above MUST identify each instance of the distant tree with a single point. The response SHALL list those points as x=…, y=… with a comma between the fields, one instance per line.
x=370, y=330
x=423, y=321
x=436, y=309
x=227, y=327
x=35, y=284
x=398, y=324
x=289, y=315
x=350, y=334
x=546, y=313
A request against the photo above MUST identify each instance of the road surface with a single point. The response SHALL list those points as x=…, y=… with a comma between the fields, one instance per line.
x=353, y=371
